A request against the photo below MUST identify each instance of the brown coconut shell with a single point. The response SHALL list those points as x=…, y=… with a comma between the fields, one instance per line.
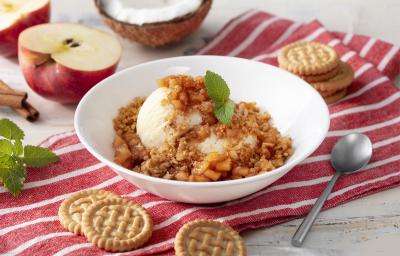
x=159, y=33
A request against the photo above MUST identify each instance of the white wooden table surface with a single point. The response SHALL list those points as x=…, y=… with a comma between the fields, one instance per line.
x=368, y=226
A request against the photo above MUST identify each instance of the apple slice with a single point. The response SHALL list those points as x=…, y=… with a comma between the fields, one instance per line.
x=62, y=61
x=17, y=15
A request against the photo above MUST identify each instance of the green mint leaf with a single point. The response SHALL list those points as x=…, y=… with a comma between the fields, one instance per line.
x=219, y=92
x=3, y=170
x=13, y=180
x=10, y=130
x=12, y=165
x=4, y=158
x=6, y=147
x=38, y=157
x=18, y=149
x=18, y=160
x=224, y=112
x=13, y=176
x=217, y=88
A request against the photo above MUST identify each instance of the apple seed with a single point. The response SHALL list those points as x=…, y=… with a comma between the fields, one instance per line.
x=68, y=41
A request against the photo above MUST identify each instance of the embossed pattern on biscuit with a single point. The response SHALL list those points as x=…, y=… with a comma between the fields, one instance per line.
x=117, y=225
x=308, y=58
x=206, y=237
x=71, y=209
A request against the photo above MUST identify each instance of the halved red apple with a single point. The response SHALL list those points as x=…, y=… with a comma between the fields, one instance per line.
x=62, y=61
x=17, y=15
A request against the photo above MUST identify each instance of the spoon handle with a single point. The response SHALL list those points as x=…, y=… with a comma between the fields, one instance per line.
x=305, y=226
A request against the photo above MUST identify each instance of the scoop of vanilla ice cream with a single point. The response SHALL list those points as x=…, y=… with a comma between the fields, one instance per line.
x=152, y=122
x=153, y=126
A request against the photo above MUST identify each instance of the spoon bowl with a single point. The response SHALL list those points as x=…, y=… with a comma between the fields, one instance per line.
x=351, y=153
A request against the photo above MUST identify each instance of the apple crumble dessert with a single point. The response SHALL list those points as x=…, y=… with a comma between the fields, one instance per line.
x=189, y=130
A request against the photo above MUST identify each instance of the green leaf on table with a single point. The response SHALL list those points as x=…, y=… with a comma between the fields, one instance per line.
x=17, y=148
x=5, y=163
x=10, y=130
x=13, y=179
x=3, y=171
x=12, y=164
x=6, y=147
x=4, y=158
x=224, y=112
x=217, y=88
x=13, y=175
x=38, y=157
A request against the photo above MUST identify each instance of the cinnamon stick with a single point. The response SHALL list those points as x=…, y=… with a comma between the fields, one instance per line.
x=28, y=112
x=12, y=99
x=18, y=101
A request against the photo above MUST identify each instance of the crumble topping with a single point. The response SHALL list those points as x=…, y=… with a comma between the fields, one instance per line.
x=205, y=150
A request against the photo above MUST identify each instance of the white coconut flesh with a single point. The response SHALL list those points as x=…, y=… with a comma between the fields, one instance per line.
x=141, y=12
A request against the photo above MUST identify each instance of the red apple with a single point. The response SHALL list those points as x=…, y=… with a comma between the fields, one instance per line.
x=62, y=61
x=17, y=15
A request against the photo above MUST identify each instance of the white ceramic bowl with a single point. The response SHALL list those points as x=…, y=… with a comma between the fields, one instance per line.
x=296, y=108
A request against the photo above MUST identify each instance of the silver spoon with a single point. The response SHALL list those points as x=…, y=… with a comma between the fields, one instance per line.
x=350, y=154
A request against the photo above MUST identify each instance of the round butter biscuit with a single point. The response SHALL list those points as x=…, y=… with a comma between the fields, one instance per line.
x=335, y=97
x=71, y=209
x=207, y=237
x=327, y=93
x=321, y=77
x=308, y=58
x=342, y=80
x=117, y=225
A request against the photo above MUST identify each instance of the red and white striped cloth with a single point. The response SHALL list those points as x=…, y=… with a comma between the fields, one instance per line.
x=29, y=223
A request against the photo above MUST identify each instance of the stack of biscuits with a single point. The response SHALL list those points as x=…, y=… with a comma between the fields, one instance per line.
x=320, y=66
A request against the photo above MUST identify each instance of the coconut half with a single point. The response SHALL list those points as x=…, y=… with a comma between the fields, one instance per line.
x=166, y=23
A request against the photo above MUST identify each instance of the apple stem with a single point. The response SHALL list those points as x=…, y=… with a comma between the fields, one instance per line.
x=42, y=63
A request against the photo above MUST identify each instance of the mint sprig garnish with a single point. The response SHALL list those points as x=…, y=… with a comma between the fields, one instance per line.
x=14, y=158
x=219, y=92
x=10, y=130
x=38, y=157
